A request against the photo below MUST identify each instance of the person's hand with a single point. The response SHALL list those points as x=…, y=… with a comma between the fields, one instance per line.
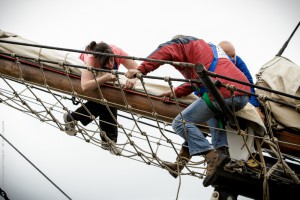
x=110, y=77
x=131, y=73
x=166, y=96
x=130, y=83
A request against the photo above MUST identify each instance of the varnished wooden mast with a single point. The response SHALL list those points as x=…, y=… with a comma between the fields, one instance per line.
x=140, y=104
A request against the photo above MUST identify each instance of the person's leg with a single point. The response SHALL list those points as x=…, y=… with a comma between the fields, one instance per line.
x=108, y=123
x=216, y=159
x=196, y=113
x=219, y=137
x=218, y=134
x=82, y=115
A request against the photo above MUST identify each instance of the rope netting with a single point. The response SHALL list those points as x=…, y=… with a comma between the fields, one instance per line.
x=146, y=138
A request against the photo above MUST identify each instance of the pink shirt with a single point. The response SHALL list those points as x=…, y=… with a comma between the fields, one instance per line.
x=117, y=51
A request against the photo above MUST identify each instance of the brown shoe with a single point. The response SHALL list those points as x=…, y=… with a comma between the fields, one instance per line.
x=182, y=159
x=214, y=160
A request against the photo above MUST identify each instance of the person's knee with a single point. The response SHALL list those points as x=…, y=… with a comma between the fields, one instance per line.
x=177, y=124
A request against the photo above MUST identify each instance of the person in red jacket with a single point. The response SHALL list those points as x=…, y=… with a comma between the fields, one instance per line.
x=106, y=116
x=196, y=51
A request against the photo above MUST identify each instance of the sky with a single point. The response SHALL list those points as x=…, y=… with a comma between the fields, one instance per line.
x=257, y=28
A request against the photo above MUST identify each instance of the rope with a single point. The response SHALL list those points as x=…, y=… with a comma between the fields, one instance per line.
x=135, y=137
x=35, y=166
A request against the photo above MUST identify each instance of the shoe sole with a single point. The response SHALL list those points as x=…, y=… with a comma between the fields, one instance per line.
x=71, y=132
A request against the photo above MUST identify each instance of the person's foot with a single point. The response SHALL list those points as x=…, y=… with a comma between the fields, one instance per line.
x=109, y=145
x=69, y=125
x=214, y=160
x=113, y=149
x=181, y=161
x=224, y=150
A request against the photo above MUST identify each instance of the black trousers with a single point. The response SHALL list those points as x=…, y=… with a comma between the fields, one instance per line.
x=106, y=121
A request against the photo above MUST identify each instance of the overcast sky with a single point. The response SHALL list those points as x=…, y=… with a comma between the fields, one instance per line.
x=257, y=28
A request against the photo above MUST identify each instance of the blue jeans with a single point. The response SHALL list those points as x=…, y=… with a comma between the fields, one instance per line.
x=197, y=113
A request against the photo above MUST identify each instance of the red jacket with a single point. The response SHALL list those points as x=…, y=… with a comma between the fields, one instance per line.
x=194, y=50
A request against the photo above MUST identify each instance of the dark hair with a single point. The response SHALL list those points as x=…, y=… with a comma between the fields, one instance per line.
x=101, y=47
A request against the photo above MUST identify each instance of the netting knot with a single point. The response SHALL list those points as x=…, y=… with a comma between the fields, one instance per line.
x=103, y=100
x=262, y=97
x=298, y=108
x=154, y=114
x=241, y=132
x=139, y=75
x=230, y=87
x=128, y=107
x=89, y=68
x=167, y=78
x=114, y=72
x=274, y=139
x=169, y=141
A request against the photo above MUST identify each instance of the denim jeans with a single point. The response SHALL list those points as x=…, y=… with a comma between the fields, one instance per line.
x=197, y=113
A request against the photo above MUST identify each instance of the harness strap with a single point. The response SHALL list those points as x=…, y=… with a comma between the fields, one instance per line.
x=202, y=91
x=212, y=68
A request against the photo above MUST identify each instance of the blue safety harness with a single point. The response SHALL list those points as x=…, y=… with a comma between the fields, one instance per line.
x=212, y=68
x=202, y=91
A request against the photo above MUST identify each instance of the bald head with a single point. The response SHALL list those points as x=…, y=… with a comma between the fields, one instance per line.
x=228, y=48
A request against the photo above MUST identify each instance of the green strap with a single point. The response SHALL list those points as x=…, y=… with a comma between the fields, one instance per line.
x=208, y=102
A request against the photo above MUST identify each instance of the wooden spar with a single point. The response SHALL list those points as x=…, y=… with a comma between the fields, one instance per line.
x=140, y=104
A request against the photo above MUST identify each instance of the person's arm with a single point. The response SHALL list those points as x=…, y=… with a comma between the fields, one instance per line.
x=130, y=64
x=165, y=51
x=253, y=100
x=243, y=67
x=88, y=82
x=127, y=63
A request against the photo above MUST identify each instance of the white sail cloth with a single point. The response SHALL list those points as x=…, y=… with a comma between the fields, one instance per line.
x=282, y=75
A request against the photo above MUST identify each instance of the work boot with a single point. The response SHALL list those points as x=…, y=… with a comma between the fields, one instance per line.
x=182, y=159
x=224, y=150
x=214, y=161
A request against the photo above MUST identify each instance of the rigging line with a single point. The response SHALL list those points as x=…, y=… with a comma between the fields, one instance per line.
x=118, y=115
x=38, y=88
x=287, y=42
x=150, y=77
x=183, y=80
x=9, y=56
x=261, y=97
x=212, y=74
x=127, y=117
x=34, y=166
x=180, y=64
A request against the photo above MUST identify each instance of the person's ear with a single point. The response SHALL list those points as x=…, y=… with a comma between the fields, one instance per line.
x=111, y=61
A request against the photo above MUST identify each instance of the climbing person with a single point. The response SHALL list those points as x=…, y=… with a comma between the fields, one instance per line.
x=107, y=121
x=241, y=65
x=196, y=51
